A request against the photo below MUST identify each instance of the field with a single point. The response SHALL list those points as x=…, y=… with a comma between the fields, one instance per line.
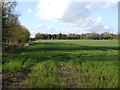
x=63, y=64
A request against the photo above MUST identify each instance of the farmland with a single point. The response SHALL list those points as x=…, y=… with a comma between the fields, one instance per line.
x=63, y=64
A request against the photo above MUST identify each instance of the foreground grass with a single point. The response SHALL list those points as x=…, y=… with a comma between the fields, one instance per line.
x=65, y=63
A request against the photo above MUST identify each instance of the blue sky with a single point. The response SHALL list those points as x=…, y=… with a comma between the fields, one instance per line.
x=55, y=16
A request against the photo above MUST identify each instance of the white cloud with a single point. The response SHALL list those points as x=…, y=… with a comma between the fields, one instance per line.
x=51, y=9
x=29, y=11
x=106, y=27
x=75, y=14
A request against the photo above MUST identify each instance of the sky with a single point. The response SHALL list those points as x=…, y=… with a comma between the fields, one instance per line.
x=68, y=16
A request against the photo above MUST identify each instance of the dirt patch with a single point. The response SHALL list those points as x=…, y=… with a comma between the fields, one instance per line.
x=16, y=80
x=70, y=76
x=9, y=48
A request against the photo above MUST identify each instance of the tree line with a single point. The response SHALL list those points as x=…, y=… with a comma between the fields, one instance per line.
x=93, y=36
x=12, y=31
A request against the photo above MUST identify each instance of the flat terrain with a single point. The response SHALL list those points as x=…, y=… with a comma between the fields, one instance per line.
x=63, y=64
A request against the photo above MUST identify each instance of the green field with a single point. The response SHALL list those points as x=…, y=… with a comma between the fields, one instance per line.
x=63, y=64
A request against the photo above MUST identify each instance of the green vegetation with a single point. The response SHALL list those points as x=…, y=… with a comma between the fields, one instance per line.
x=56, y=63
x=88, y=36
x=13, y=32
x=63, y=64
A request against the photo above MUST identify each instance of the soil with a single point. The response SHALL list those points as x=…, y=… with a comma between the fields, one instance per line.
x=13, y=80
x=70, y=76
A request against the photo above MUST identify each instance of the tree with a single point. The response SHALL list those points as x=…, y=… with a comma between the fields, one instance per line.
x=64, y=36
x=12, y=31
x=93, y=36
x=9, y=20
x=54, y=36
x=37, y=36
x=59, y=36
x=49, y=36
x=23, y=34
x=106, y=36
x=77, y=36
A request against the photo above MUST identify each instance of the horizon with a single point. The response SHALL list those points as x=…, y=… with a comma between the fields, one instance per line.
x=55, y=17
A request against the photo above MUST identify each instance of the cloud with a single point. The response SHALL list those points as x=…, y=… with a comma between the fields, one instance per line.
x=51, y=9
x=75, y=14
x=106, y=27
x=29, y=11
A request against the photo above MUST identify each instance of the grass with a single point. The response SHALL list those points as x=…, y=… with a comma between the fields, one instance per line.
x=65, y=64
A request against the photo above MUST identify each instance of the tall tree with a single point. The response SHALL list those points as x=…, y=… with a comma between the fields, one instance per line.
x=12, y=31
x=9, y=20
x=59, y=36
